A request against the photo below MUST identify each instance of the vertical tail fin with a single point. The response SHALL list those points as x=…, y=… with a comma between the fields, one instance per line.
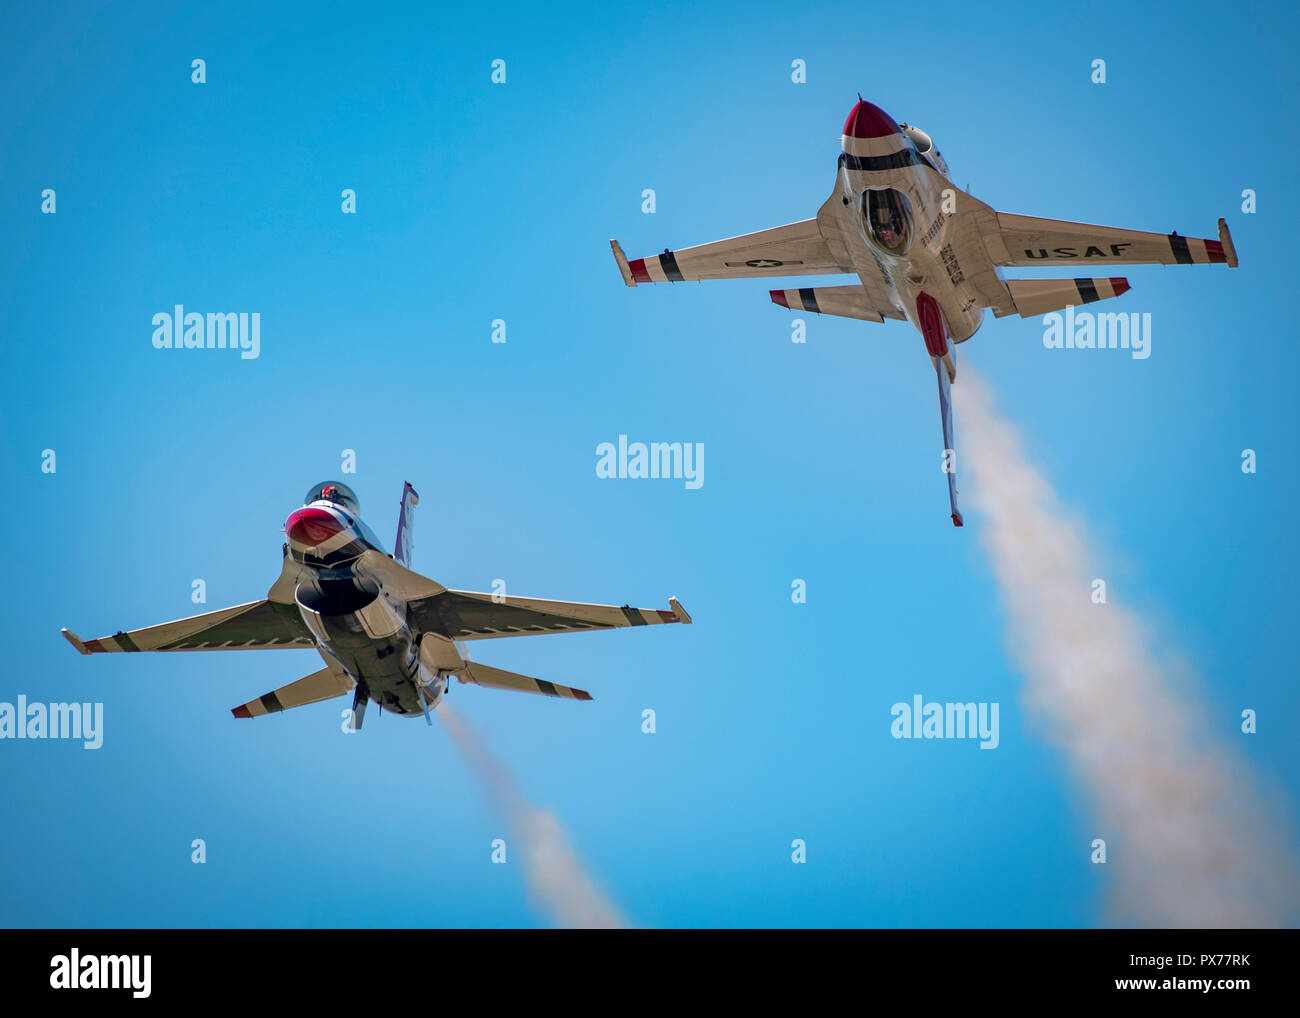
x=410, y=499
x=935, y=332
x=949, y=450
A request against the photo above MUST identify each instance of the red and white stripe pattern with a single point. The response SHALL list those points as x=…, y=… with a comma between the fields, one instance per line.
x=866, y=123
x=655, y=269
x=1034, y=297
x=1196, y=251
x=844, y=301
x=873, y=141
x=1102, y=288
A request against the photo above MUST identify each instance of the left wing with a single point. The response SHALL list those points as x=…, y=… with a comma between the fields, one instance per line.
x=466, y=615
x=794, y=250
x=1026, y=240
x=258, y=625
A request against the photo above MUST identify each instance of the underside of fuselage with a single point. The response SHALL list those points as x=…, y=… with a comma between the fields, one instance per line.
x=366, y=633
x=356, y=623
x=385, y=668
x=895, y=216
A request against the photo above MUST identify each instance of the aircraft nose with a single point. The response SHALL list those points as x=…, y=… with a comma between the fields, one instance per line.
x=868, y=121
x=310, y=527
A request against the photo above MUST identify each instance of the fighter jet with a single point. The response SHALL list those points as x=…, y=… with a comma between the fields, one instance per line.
x=385, y=633
x=924, y=251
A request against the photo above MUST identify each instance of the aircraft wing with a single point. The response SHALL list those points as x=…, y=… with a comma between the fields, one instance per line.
x=466, y=615
x=1026, y=240
x=794, y=250
x=258, y=625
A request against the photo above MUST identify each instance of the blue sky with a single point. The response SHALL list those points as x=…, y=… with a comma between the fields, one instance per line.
x=479, y=201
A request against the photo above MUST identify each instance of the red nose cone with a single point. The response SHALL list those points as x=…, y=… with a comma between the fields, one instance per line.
x=311, y=527
x=867, y=121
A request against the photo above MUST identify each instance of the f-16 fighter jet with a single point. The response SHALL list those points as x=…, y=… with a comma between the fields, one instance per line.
x=924, y=251
x=386, y=633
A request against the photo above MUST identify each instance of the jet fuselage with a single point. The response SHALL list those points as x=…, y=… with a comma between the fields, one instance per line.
x=896, y=216
x=354, y=619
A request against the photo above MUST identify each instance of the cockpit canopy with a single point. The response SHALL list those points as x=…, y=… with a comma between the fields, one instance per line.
x=336, y=492
x=887, y=216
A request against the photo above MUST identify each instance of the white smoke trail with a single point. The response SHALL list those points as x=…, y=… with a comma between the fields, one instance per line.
x=555, y=875
x=1189, y=841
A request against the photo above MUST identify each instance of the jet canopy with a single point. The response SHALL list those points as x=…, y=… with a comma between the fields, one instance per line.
x=336, y=492
x=888, y=218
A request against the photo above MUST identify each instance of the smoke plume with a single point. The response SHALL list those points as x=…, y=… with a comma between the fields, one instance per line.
x=1190, y=843
x=556, y=877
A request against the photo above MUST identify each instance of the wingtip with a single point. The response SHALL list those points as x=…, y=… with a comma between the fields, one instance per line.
x=75, y=640
x=779, y=297
x=624, y=269
x=1229, y=248
x=957, y=521
x=241, y=711
x=679, y=613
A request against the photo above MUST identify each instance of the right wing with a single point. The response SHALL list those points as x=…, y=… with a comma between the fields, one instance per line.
x=1027, y=240
x=258, y=625
x=466, y=615
x=794, y=250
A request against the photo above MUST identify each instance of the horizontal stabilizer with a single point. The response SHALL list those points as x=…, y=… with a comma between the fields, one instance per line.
x=844, y=301
x=497, y=678
x=322, y=685
x=1035, y=297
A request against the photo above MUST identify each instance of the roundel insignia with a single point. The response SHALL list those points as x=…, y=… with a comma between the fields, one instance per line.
x=763, y=263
